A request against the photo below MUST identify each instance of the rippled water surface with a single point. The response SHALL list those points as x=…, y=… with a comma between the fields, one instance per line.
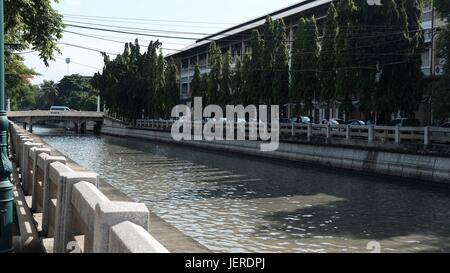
x=233, y=203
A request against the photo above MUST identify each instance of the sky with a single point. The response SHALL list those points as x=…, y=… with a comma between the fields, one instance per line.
x=194, y=16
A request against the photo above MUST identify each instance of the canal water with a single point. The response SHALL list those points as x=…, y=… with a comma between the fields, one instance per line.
x=234, y=203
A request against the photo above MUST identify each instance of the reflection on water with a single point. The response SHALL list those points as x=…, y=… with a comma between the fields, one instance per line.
x=232, y=203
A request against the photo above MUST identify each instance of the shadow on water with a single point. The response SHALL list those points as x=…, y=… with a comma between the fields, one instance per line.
x=240, y=203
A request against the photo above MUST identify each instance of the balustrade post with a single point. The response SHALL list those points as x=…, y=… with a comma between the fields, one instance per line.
x=46, y=195
x=109, y=214
x=63, y=221
x=371, y=134
x=397, y=135
x=25, y=168
x=35, y=152
x=310, y=134
x=426, y=136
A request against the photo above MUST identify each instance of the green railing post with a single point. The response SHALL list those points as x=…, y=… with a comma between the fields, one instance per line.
x=6, y=188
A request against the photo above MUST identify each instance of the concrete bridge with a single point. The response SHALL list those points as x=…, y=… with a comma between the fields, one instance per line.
x=78, y=118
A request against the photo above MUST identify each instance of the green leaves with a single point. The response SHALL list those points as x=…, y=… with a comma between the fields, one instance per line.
x=35, y=24
x=327, y=58
x=215, y=75
x=32, y=24
x=77, y=93
x=305, y=52
x=443, y=7
x=136, y=85
x=441, y=99
x=280, y=84
x=196, y=84
x=73, y=91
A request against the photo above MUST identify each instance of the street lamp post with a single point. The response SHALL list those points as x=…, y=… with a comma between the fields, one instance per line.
x=6, y=194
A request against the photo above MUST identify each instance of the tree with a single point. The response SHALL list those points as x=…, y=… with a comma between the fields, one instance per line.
x=443, y=8
x=400, y=78
x=215, y=76
x=225, y=82
x=160, y=85
x=33, y=24
x=18, y=86
x=150, y=76
x=171, y=88
x=77, y=93
x=305, y=53
x=346, y=78
x=268, y=60
x=252, y=71
x=28, y=24
x=236, y=85
x=49, y=95
x=196, y=84
x=327, y=59
x=441, y=97
x=280, y=84
x=412, y=90
x=204, y=87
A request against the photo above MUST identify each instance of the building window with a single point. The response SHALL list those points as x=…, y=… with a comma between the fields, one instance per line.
x=185, y=64
x=184, y=89
x=426, y=60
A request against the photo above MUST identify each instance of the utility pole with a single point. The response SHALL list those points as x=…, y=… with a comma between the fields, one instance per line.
x=6, y=188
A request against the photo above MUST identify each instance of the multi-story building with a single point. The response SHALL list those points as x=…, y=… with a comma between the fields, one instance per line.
x=237, y=40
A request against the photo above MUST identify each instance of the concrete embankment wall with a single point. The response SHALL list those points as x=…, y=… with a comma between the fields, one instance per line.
x=428, y=168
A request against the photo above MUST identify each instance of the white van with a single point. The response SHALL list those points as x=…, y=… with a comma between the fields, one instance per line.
x=59, y=109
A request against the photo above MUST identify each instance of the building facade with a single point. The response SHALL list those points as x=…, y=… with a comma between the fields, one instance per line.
x=237, y=40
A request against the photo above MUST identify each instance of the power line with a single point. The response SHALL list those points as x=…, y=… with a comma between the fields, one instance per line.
x=185, y=26
x=109, y=40
x=382, y=34
x=147, y=20
x=132, y=33
x=81, y=64
x=243, y=54
x=126, y=39
x=88, y=48
x=141, y=29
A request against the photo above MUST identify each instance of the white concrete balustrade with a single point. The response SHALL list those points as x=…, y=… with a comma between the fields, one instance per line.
x=370, y=134
x=73, y=209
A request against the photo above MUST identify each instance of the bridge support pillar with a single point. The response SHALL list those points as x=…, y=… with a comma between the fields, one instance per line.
x=83, y=128
x=77, y=128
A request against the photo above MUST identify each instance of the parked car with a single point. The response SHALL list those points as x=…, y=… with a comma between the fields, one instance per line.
x=59, y=109
x=404, y=122
x=300, y=120
x=336, y=122
x=356, y=123
x=446, y=125
x=371, y=122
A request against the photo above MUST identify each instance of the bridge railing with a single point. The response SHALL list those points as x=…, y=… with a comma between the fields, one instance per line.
x=369, y=134
x=75, y=213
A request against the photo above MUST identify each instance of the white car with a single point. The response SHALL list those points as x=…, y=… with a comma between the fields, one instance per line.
x=59, y=109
